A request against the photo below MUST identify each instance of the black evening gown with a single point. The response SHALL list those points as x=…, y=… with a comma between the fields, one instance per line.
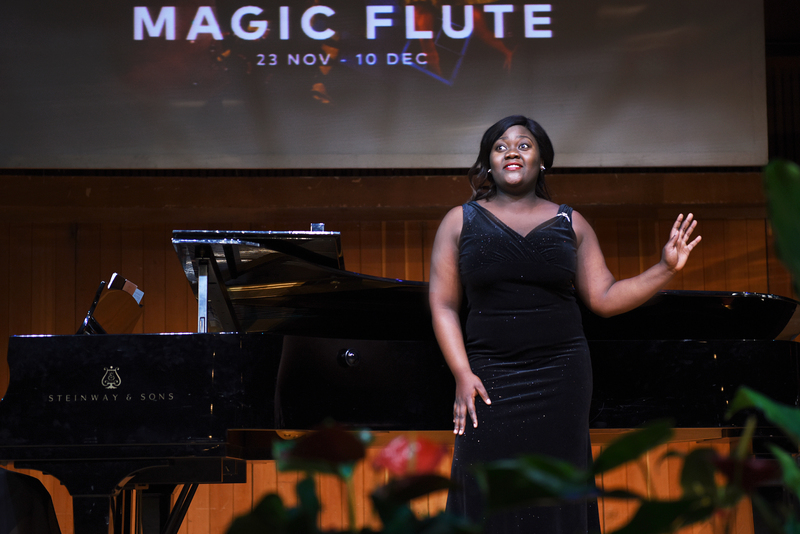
x=525, y=341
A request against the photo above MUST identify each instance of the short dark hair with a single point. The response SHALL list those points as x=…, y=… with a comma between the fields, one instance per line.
x=479, y=177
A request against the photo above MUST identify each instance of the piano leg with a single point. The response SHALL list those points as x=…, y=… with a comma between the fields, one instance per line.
x=95, y=486
x=98, y=489
x=152, y=507
x=179, y=510
x=155, y=513
x=102, y=514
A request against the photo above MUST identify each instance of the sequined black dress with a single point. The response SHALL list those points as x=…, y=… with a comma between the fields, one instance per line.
x=525, y=342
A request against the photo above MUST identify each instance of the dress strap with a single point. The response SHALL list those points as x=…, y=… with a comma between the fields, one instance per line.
x=469, y=209
x=566, y=212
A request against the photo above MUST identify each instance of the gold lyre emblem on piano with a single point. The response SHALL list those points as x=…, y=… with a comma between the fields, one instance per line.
x=111, y=380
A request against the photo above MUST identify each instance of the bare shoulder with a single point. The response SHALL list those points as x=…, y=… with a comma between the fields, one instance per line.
x=444, y=255
x=578, y=219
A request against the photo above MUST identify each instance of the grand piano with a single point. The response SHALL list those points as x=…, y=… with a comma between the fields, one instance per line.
x=287, y=338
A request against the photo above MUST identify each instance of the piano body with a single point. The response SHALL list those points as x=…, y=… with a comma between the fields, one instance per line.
x=288, y=338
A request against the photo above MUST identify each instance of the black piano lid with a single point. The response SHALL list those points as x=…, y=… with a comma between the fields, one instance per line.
x=317, y=246
x=701, y=315
x=295, y=283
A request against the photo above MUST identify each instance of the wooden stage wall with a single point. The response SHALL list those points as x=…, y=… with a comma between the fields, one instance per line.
x=61, y=235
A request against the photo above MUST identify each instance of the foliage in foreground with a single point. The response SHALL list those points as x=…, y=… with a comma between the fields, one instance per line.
x=536, y=480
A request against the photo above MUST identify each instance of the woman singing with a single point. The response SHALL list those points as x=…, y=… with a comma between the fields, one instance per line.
x=514, y=262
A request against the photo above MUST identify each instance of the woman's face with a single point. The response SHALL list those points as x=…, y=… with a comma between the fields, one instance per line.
x=515, y=161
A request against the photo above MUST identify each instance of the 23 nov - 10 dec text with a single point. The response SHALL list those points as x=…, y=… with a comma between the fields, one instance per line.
x=387, y=58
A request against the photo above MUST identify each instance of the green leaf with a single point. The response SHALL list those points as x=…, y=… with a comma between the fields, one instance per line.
x=792, y=526
x=782, y=188
x=405, y=522
x=532, y=480
x=787, y=418
x=307, y=496
x=773, y=522
x=250, y=524
x=269, y=515
x=396, y=517
x=697, y=474
x=657, y=517
x=303, y=518
x=404, y=489
x=632, y=445
x=789, y=468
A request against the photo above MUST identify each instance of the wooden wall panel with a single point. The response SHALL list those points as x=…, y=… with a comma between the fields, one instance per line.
x=628, y=248
x=154, y=278
x=20, y=319
x=393, y=250
x=131, y=260
x=43, y=286
x=242, y=494
x=714, y=259
x=606, y=230
x=650, y=244
x=180, y=307
x=351, y=243
x=220, y=507
x=88, y=271
x=736, y=272
x=63, y=257
x=333, y=514
x=414, y=242
x=428, y=237
x=264, y=480
x=756, y=258
x=372, y=235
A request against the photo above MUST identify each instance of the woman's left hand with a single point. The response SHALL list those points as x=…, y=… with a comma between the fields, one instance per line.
x=678, y=248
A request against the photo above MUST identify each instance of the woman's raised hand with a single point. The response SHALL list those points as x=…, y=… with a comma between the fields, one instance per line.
x=678, y=248
x=467, y=388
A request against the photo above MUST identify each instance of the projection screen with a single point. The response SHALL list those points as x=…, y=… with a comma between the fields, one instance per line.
x=348, y=84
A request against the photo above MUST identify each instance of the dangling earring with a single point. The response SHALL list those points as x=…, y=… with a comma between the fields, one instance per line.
x=541, y=168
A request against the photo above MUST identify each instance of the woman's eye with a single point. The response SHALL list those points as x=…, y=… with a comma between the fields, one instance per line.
x=525, y=145
x=500, y=147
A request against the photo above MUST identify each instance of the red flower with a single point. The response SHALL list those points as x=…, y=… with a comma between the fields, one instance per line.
x=402, y=456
